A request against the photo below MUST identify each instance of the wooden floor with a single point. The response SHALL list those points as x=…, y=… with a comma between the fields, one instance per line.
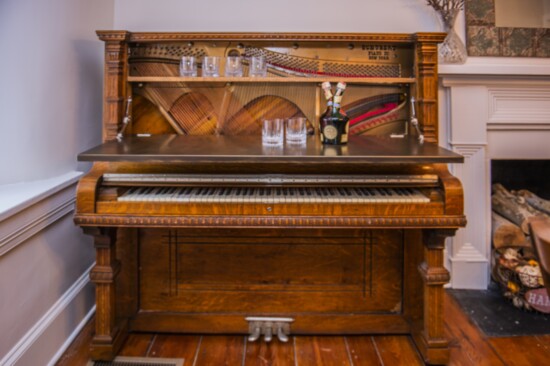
x=468, y=347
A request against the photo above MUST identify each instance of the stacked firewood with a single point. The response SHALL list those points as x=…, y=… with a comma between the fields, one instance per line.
x=515, y=265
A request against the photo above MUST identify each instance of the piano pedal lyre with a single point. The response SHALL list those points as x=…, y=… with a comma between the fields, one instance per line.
x=268, y=326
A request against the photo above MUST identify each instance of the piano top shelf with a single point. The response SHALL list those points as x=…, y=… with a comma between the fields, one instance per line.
x=215, y=149
x=269, y=79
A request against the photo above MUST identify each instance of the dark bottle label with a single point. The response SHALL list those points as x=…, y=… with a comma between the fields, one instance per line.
x=334, y=130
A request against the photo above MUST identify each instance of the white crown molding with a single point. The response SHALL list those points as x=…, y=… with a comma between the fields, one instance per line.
x=458, y=80
x=26, y=342
x=498, y=66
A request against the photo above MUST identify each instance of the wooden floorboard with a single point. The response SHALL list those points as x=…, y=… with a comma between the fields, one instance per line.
x=220, y=350
x=532, y=350
x=469, y=347
x=175, y=346
x=394, y=350
x=274, y=353
x=321, y=351
x=137, y=345
x=362, y=351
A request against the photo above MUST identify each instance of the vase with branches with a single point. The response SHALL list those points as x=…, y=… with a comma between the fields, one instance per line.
x=452, y=50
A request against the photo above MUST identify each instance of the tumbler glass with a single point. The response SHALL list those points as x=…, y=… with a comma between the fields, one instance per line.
x=296, y=130
x=233, y=66
x=272, y=131
x=211, y=66
x=258, y=66
x=188, y=66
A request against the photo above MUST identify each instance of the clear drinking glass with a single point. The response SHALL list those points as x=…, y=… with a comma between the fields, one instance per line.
x=233, y=66
x=272, y=131
x=188, y=66
x=211, y=66
x=258, y=66
x=296, y=130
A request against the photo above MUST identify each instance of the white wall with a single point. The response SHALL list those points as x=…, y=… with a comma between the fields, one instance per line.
x=51, y=80
x=281, y=16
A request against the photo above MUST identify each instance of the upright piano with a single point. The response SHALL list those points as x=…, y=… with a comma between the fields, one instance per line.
x=200, y=228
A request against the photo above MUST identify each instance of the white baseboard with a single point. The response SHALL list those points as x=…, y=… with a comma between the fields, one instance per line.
x=72, y=337
x=30, y=346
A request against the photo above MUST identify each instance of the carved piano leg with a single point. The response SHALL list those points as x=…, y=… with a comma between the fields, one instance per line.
x=431, y=340
x=109, y=335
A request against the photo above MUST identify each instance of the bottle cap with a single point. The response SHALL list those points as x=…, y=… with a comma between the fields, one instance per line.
x=325, y=85
x=341, y=85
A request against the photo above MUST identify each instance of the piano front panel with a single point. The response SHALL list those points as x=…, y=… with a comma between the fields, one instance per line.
x=276, y=272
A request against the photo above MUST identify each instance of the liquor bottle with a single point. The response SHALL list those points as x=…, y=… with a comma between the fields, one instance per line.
x=334, y=126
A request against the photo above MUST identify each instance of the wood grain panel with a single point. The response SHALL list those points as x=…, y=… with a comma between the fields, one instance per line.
x=257, y=275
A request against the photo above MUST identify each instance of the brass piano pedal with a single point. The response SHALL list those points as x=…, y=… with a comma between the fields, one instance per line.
x=268, y=326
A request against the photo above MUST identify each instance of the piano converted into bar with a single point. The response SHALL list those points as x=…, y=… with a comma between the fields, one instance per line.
x=200, y=228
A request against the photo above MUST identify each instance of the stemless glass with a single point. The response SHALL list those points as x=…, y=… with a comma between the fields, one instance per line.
x=233, y=66
x=188, y=66
x=296, y=130
x=258, y=66
x=272, y=131
x=211, y=66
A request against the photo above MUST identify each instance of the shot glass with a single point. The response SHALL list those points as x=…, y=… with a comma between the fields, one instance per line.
x=296, y=130
x=258, y=66
x=188, y=66
x=272, y=131
x=233, y=66
x=211, y=66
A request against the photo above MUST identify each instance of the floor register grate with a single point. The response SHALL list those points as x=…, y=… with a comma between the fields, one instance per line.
x=139, y=361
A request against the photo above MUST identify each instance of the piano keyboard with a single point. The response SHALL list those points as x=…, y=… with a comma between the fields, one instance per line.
x=273, y=195
x=270, y=179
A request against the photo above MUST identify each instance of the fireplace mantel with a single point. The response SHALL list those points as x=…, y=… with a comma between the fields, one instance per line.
x=489, y=110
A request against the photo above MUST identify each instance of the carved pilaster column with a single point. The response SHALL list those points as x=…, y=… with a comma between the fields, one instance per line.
x=427, y=87
x=108, y=332
x=114, y=88
x=431, y=340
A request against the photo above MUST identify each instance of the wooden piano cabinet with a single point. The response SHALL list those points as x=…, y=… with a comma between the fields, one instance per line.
x=332, y=265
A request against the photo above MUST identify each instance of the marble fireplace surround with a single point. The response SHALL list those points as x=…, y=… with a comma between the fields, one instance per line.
x=489, y=112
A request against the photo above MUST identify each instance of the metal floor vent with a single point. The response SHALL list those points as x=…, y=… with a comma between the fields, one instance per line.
x=139, y=361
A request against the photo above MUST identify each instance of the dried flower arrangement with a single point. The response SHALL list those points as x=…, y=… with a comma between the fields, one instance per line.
x=447, y=8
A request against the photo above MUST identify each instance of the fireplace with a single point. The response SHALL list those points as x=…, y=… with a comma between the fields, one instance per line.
x=520, y=193
x=491, y=117
x=532, y=175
